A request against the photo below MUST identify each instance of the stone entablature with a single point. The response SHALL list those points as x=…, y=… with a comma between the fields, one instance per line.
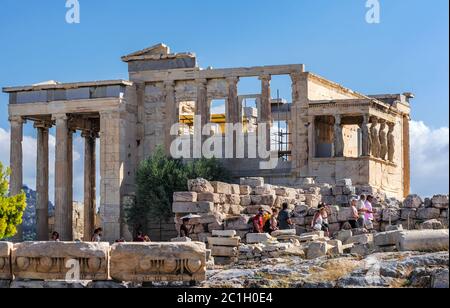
x=130, y=262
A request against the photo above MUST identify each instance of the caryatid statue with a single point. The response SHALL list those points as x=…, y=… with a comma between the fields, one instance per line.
x=375, y=138
x=338, y=137
x=391, y=142
x=365, y=136
x=383, y=140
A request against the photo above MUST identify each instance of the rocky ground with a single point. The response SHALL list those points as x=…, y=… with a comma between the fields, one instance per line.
x=379, y=270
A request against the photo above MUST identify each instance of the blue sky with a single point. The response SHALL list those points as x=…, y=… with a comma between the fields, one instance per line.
x=407, y=51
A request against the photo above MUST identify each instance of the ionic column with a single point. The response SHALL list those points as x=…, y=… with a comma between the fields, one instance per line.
x=202, y=108
x=16, y=160
x=89, y=183
x=365, y=136
x=63, y=221
x=338, y=137
x=70, y=178
x=42, y=198
x=232, y=108
x=172, y=113
x=266, y=107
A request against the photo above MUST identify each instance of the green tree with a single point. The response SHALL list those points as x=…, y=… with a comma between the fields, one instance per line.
x=157, y=178
x=11, y=208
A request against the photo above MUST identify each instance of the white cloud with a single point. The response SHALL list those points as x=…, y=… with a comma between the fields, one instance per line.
x=429, y=159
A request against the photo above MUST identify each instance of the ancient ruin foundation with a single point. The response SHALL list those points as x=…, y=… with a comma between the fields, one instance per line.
x=331, y=132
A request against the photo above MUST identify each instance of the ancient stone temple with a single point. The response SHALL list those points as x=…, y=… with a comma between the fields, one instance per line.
x=329, y=132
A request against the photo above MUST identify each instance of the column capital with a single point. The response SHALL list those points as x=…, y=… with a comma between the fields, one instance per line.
x=60, y=117
x=17, y=119
x=42, y=124
x=87, y=133
x=202, y=82
x=232, y=80
x=265, y=77
x=374, y=120
x=169, y=84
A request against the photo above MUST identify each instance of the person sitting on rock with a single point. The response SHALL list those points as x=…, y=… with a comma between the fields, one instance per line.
x=319, y=222
x=273, y=222
x=55, y=236
x=97, y=236
x=284, y=218
x=258, y=222
x=139, y=237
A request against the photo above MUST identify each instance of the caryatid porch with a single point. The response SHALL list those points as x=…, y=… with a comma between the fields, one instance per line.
x=96, y=109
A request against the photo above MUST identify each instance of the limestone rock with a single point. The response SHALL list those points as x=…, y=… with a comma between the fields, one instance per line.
x=284, y=232
x=193, y=207
x=440, y=201
x=316, y=250
x=412, y=201
x=439, y=279
x=245, y=190
x=181, y=239
x=185, y=197
x=200, y=186
x=361, y=249
x=361, y=239
x=224, y=233
x=246, y=200
x=428, y=213
x=386, y=238
x=221, y=188
x=424, y=240
x=432, y=224
x=235, y=189
x=224, y=241
x=223, y=251
x=255, y=238
x=209, y=197
x=52, y=260
x=240, y=222
x=264, y=190
x=152, y=262
x=252, y=181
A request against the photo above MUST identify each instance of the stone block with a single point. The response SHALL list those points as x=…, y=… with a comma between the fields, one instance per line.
x=181, y=239
x=342, y=199
x=238, y=223
x=413, y=201
x=361, y=239
x=5, y=260
x=203, y=237
x=53, y=260
x=338, y=190
x=256, y=238
x=263, y=199
x=361, y=249
x=185, y=196
x=439, y=279
x=316, y=250
x=200, y=186
x=208, y=197
x=344, y=182
x=440, y=201
x=224, y=241
x=264, y=190
x=408, y=213
x=391, y=214
x=236, y=209
x=388, y=238
x=252, y=181
x=246, y=200
x=428, y=213
x=193, y=207
x=155, y=262
x=253, y=209
x=349, y=190
x=432, y=224
x=423, y=240
x=245, y=190
x=224, y=233
x=344, y=214
x=286, y=192
x=222, y=251
x=284, y=232
x=312, y=200
x=221, y=188
x=335, y=247
x=235, y=189
x=233, y=199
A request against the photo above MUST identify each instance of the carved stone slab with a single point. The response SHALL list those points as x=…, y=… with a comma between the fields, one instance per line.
x=53, y=260
x=154, y=262
x=5, y=260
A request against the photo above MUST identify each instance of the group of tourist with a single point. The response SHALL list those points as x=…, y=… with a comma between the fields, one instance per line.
x=264, y=222
x=361, y=217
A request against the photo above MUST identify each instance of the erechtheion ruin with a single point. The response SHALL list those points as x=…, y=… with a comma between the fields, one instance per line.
x=331, y=132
